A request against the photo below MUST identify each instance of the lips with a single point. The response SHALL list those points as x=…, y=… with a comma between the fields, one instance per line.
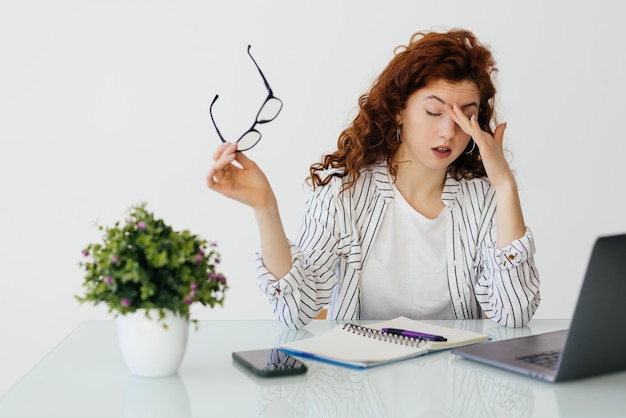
x=442, y=152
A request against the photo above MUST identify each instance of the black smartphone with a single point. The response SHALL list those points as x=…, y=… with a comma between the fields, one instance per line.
x=269, y=362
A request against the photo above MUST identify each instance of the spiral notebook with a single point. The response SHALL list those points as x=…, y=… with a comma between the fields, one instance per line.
x=361, y=347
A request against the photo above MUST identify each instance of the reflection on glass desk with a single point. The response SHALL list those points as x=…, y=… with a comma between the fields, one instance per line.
x=85, y=376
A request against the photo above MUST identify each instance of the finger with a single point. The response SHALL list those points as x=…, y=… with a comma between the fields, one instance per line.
x=460, y=118
x=219, y=150
x=243, y=159
x=476, y=131
x=225, y=159
x=498, y=134
x=214, y=178
x=210, y=178
x=215, y=185
x=224, y=147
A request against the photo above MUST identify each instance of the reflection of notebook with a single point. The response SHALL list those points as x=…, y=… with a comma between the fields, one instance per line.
x=595, y=342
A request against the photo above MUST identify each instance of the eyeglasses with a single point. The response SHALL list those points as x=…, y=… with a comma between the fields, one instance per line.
x=269, y=110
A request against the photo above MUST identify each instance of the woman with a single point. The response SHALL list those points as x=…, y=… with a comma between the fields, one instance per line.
x=416, y=213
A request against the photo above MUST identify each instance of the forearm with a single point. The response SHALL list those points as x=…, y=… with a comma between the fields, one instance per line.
x=509, y=217
x=274, y=244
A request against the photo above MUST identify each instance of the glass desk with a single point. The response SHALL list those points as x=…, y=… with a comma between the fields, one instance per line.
x=85, y=376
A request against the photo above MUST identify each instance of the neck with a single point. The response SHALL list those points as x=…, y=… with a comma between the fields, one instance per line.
x=421, y=187
x=414, y=179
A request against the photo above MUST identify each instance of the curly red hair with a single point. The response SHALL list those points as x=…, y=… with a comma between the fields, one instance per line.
x=452, y=56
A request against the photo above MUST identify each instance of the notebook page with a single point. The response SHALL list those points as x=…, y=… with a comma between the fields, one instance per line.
x=344, y=346
x=456, y=337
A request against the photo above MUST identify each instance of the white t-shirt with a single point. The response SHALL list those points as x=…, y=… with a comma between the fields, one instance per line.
x=406, y=271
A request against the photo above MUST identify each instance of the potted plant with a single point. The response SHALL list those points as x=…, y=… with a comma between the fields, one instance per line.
x=149, y=275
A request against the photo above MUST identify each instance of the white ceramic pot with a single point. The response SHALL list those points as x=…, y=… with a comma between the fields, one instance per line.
x=148, y=349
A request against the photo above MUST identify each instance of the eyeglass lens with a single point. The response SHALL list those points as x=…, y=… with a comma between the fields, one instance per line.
x=269, y=110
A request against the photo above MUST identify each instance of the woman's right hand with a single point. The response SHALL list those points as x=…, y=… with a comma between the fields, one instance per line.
x=236, y=176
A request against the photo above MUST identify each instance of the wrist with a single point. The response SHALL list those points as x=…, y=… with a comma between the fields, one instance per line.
x=267, y=211
x=505, y=185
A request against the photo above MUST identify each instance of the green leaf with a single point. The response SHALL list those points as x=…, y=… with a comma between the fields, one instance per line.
x=157, y=267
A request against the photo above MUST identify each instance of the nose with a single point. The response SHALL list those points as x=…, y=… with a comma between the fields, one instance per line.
x=447, y=127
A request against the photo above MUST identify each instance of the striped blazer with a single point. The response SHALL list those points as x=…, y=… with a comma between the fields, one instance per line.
x=337, y=232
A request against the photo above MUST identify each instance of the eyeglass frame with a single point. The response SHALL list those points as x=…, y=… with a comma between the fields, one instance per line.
x=270, y=96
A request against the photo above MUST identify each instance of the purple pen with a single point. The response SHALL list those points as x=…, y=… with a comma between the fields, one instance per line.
x=414, y=334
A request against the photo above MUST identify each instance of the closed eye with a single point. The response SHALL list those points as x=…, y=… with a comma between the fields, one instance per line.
x=432, y=114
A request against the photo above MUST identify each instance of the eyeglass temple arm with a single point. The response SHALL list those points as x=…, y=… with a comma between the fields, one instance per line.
x=213, y=119
x=267, y=86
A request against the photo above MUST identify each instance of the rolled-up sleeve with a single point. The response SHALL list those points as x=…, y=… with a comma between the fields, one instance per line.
x=508, y=286
x=297, y=297
x=270, y=285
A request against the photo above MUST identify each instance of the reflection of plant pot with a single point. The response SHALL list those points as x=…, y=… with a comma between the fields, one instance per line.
x=162, y=397
x=148, y=348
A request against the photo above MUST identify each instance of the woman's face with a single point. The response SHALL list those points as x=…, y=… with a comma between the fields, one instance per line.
x=429, y=135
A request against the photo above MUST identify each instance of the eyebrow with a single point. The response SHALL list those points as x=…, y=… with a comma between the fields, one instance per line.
x=439, y=99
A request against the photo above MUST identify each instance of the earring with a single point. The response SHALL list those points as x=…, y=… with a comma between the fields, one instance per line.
x=398, y=133
x=472, y=149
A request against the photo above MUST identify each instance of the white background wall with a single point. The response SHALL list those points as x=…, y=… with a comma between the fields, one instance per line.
x=104, y=104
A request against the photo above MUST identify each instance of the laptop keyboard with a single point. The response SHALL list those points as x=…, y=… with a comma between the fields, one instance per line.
x=548, y=359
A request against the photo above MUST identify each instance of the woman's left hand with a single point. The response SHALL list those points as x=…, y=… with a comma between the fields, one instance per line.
x=491, y=151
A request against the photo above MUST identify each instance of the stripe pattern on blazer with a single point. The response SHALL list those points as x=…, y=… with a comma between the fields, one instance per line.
x=338, y=230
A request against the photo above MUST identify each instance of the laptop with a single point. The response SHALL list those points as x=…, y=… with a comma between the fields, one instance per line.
x=595, y=342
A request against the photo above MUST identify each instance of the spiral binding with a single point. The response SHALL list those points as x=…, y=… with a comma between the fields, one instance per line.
x=378, y=334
